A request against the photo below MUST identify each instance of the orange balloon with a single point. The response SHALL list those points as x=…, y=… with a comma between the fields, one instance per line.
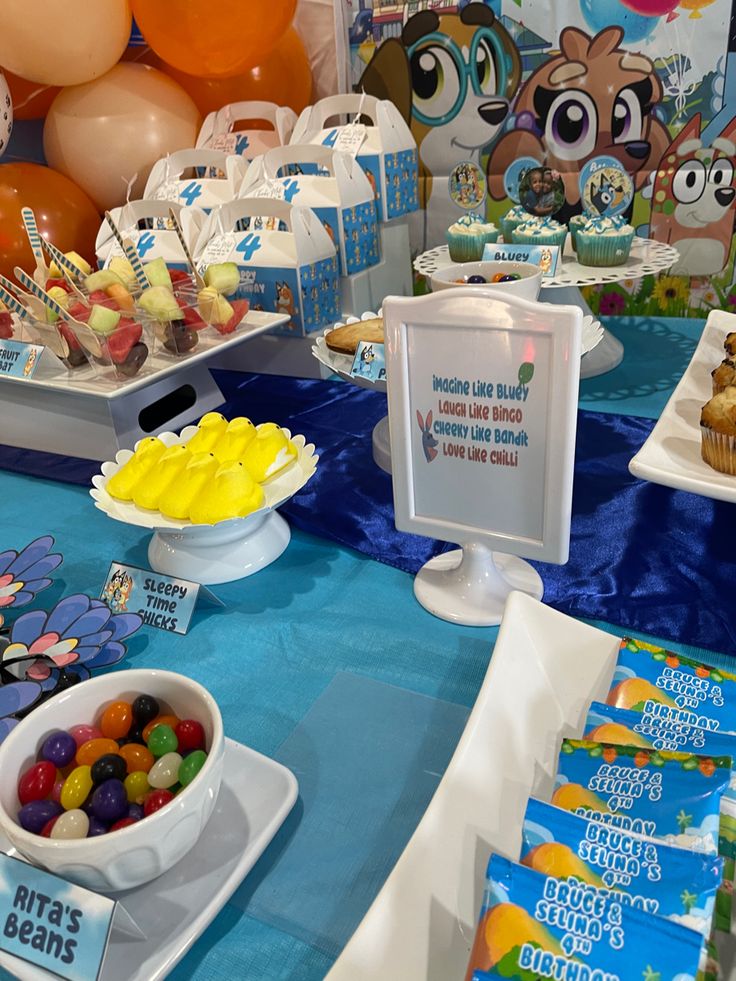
x=64, y=213
x=31, y=100
x=284, y=78
x=213, y=38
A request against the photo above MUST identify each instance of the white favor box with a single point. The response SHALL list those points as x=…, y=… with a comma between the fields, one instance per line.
x=331, y=183
x=208, y=191
x=220, y=129
x=386, y=150
x=287, y=261
x=158, y=239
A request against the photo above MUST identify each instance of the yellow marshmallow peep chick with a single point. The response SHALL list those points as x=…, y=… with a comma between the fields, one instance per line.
x=176, y=501
x=232, y=444
x=169, y=468
x=269, y=453
x=147, y=454
x=232, y=494
x=209, y=430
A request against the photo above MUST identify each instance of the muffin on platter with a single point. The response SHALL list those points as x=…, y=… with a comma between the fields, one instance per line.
x=718, y=431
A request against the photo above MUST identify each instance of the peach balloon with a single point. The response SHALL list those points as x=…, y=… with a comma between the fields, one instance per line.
x=104, y=133
x=213, y=38
x=284, y=77
x=64, y=213
x=63, y=43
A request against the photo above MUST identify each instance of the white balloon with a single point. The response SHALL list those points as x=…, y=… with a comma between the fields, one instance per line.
x=6, y=115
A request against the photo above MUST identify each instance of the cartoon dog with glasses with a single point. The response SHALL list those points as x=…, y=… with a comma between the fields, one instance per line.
x=452, y=76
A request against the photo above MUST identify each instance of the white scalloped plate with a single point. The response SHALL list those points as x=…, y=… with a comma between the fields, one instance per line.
x=277, y=491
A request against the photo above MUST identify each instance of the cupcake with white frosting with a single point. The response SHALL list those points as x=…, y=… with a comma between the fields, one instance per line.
x=539, y=231
x=604, y=241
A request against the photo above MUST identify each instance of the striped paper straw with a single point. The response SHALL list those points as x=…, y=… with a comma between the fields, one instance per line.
x=187, y=253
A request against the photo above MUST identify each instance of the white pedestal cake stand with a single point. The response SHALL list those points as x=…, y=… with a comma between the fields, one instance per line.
x=218, y=553
x=340, y=364
x=647, y=258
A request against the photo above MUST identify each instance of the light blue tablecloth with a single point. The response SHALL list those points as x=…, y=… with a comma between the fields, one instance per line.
x=323, y=628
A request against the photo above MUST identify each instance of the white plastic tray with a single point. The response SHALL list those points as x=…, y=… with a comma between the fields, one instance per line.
x=545, y=670
x=255, y=797
x=671, y=454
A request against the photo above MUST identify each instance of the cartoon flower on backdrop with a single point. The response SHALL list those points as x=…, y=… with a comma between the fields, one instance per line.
x=48, y=652
x=24, y=574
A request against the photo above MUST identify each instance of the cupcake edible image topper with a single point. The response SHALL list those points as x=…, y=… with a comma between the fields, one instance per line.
x=605, y=188
x=541, y=191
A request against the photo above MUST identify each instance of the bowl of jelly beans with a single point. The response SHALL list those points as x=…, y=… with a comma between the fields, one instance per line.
x=523, y=279
x=111, y=782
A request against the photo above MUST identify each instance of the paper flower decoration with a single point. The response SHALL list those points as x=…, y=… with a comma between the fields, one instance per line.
x=16, y=698
x=78, y=631
x=23, y=574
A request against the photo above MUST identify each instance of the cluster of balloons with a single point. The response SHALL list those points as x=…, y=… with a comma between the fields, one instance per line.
x=112, y=110
x=638, y=18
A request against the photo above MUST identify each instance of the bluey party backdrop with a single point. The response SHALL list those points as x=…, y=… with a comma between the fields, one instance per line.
x=649, y=84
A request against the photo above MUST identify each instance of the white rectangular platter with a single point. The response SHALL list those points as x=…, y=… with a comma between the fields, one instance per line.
x=671, y=454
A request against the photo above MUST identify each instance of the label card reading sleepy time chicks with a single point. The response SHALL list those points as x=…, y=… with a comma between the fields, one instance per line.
x=51, y=922
x=164, y=602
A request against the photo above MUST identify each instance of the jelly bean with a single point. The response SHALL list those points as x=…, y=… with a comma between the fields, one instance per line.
x=497, y=278
x=82, y=734
x=145, y=709
x=191, y=766
x=162, y=740
x=135, y=811
x=164, y=773
x=76, y=788
x=59, y=748
x=96, y=827
x=477, y=279
x=510, y=278
x=108, y=767
x=117, y=720
x=37, y=782
x=56, y=790
x=93, y=749
x=109, y=801
x=72, y=824
x=123, y=823
x=47, y=828
x=36, y=815
x=190, y=735
x=135, y=735
x=153, y=802
x=137, y=757
x=136, y=786
x=160, y=720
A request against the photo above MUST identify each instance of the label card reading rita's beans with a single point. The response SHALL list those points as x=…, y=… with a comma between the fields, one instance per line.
x=163, y=602
x=482, y=410
x=50, y=922
x=18, y=360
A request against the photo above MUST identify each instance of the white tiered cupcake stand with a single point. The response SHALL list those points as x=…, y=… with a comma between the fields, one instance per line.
x=647, y=258
x=82, y=413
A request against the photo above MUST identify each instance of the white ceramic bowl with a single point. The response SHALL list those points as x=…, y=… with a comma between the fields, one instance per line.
x=527, y=287
x=146, y=849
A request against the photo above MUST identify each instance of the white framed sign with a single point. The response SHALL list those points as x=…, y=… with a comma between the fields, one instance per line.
x=482, y=395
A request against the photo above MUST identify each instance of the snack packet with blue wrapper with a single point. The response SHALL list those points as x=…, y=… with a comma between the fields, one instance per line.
x=535, y=926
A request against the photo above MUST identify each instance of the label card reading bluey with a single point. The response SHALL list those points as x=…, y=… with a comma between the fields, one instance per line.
x=544, y=256
x=163, y=602
x=369, y=361
x=50, y=922
x=19, y=360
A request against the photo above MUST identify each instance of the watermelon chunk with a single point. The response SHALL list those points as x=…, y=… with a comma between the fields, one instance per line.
x=179, y=276
x=50, y=283
x=191, y=315
x=6, y=325
x=100, y=298
x=70, y=337
x=123, y=338
x=240, y=308
x=78, y=311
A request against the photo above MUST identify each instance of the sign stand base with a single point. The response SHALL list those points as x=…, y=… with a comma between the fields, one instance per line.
x=382, y=445
x=470, y=585
x=210, y=554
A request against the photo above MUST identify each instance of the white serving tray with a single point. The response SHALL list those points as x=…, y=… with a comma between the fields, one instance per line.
x=86, y=382
x=255, y=797
x=671, y=454
x=545, y=670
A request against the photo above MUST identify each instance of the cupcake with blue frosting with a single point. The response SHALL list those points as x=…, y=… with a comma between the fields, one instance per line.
x=513, y=217
x=468, y=236
x=604, y=241
x=539, y=231
x=574, y=226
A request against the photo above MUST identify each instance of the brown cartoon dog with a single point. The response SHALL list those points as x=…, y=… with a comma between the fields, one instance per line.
x=452, y=77
x=593, y=99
